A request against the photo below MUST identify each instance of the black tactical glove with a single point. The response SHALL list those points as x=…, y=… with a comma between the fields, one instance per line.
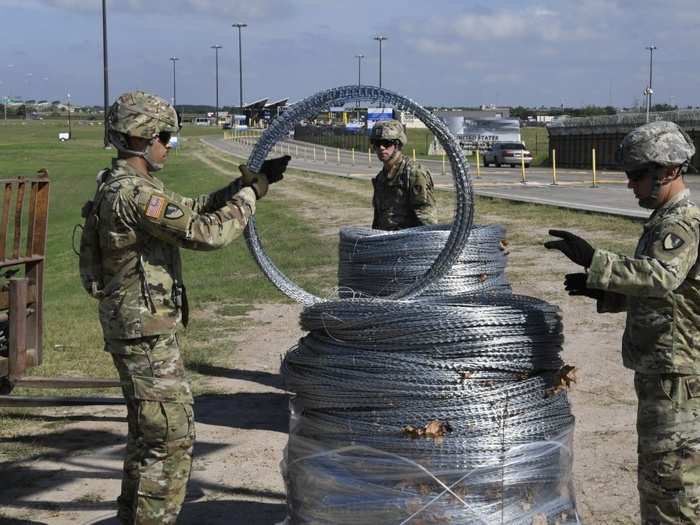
x=275, y=168
x=575, y=284
x=257, y=181
x=573, y=246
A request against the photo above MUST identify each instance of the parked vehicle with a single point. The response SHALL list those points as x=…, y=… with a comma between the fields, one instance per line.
x=507, y=153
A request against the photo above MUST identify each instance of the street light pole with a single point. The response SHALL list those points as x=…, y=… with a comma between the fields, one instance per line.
x=359, y=80
x=380, y=39
x=649, y=90
x=216, y=51
x=70, y=129
x=240, y=65
x=106, y=69
x=173, y=60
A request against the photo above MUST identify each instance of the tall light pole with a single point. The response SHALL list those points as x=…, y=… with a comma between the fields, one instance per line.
x=240, y=65
x=173, y=60
x=649, y=91
x=105, y=68
x=70, y=129
x=359, y=80
x=380, y=39
x=216, y=48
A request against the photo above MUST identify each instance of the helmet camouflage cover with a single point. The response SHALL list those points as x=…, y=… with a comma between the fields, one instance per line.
x=663, y=143
x=140, y=114
x=389, y=130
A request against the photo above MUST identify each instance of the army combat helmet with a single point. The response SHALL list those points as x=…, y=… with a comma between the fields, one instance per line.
x=650, y=149
x=388, y=130
x=140, y=114
x=658, y=143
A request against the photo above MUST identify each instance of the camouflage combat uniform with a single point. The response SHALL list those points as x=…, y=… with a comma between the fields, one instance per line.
x=142, y=225
x=403, y=195
x=660, y=290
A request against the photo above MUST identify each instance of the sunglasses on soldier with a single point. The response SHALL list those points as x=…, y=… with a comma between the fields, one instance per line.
x=639, y=174
x=164, y=137
x=384, y=143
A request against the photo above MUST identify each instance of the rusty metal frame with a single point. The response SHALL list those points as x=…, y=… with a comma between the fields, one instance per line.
x=22, y=300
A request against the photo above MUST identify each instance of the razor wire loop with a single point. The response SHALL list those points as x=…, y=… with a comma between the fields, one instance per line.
x=309, y=107
x=375, y=263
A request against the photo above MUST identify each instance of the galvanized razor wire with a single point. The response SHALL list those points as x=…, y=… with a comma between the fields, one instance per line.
x=309, y=107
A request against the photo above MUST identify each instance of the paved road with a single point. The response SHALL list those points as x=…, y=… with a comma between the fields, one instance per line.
x=574, y=188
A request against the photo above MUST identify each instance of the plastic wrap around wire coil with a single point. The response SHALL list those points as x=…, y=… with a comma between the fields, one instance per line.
x=429, y=412
x=375, y=263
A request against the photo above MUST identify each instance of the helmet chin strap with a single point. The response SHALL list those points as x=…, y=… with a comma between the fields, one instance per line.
x=146, y=154
x=650, y=202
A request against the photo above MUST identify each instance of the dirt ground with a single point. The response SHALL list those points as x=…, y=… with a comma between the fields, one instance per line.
x=241, y=433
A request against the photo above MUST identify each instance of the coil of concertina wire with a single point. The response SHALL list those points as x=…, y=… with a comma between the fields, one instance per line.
x=375, y=263
x=309, y=107
x=485, y=367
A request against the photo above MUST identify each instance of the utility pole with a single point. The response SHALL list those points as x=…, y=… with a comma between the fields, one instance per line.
x=359, y=80
x=216, y=48
x=380, y=39
x=70, y=129
x=106, y=70
x=173, y=60
x=240, y=65
x=649, y=91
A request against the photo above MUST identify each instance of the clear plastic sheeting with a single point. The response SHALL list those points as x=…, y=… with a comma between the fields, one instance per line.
x=376, y=263
x=449, y=411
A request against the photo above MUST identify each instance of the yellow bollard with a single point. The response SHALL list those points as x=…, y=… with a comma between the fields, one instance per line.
x=338, y=151
x=414, y=155
x=522, y=169
x=369, y=157
x=353, y=156
x=443, y=164
x=554, y=167
x=595, y=180
x=478, y=165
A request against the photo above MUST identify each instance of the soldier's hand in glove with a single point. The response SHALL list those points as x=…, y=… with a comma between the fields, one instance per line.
x=573, y=246
x=257, y=181
x=575, y=284
x=275, y=168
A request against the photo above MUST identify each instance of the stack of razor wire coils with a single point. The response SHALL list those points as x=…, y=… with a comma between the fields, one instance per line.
x=482, y=369
x=375, y=263
x=442, y=410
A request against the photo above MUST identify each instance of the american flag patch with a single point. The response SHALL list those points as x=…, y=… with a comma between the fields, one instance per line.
x=155, y=207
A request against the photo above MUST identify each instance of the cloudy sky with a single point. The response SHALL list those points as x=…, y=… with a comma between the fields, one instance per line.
x=438, y=52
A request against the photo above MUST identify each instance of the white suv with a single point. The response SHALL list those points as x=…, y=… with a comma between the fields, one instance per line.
x=507, y=153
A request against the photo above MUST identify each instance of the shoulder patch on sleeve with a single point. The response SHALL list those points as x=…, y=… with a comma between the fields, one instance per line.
x=672, y=242
x=155, y=206
x=173, y=211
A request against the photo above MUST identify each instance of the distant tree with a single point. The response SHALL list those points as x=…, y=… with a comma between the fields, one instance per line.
x=21, y=111
x=55, y=102
x=663, y=107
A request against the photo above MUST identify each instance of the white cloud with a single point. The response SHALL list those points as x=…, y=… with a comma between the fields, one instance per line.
x=240, y=9
x=435, y=47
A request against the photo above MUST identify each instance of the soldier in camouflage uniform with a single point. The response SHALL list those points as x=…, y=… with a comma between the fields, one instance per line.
x=403, y=191
x=130, y=262
x=659, y=288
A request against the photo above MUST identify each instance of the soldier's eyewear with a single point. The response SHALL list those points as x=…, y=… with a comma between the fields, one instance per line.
x=637, y=175
x=164, y=137
x=384, y=143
